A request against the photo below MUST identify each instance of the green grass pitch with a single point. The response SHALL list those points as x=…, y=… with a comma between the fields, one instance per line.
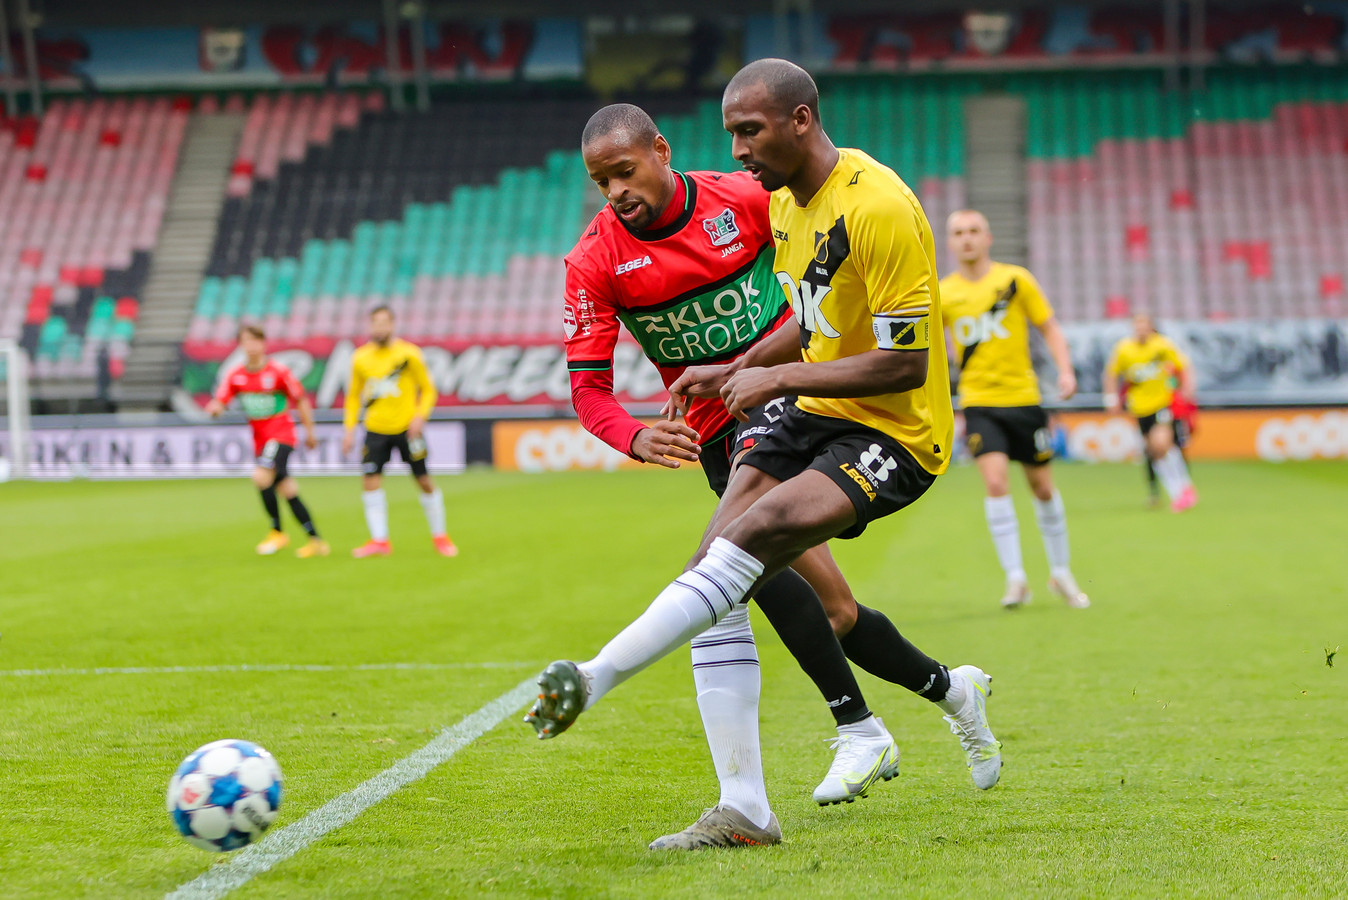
x=1183, y=737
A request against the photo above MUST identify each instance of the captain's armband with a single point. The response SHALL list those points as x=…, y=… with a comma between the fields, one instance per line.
x=902, y=332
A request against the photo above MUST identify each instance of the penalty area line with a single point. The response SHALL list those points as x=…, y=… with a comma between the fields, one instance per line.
x=278, y=846
x=261, y=667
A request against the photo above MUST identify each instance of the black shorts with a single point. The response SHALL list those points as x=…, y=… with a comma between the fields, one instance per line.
x=1165, y=418
x=276, y=456
x=877, y=474
x=379, y=449
x=719, y=454
x=1021, y=432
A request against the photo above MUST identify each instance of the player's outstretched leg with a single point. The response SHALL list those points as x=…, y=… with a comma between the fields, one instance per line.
x=721, y=826
x=872, y=642
x=970, y=689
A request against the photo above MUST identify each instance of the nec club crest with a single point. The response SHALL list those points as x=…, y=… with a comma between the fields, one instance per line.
x=721, y=229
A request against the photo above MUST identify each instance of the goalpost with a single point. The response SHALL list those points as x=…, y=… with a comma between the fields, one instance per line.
x=14, y=378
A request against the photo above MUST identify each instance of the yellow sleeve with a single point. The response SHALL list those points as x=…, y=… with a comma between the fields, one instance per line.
x=891, y=255
x=1112, y=367
x=354, y=390
x=945, y=285
x=1037, y=307
x=426, y=393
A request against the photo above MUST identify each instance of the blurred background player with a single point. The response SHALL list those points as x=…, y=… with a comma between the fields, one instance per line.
x=265, y=389
x=987, y=307
x=1149, y=365
x=390, y=384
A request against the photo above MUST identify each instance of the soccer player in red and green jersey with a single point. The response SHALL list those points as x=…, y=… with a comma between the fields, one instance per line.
x=266, y=389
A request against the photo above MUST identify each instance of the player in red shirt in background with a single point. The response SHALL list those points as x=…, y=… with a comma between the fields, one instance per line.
x=266, y=389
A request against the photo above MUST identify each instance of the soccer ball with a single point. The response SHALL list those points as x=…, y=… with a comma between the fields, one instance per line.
x=224, y=795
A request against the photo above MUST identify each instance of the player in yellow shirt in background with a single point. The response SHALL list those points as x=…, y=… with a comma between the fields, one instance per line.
x=1148, y=364
x=988, y=308
x=390, y=384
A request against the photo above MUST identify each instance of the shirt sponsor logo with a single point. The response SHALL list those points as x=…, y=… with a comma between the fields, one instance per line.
x=569, y=321
x=733, y=248
x=805, y=299
x=977, y=329
x=721, y=228
x=714, y=324
x=632, y=265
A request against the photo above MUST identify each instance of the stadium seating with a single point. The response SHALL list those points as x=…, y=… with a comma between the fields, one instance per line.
x=1221, y=206
x=457, y=218
x=83, y=191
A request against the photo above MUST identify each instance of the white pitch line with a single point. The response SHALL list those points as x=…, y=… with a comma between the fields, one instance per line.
x=279, y=846
x=245, y=667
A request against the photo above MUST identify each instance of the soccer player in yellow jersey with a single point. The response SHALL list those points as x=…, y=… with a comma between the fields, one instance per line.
x=390, y=384
x=872, y=430
x=1148, y=364
x=988, y=308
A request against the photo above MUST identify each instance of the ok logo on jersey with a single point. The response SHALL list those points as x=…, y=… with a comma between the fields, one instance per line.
x=971, y=330
x=805, y=302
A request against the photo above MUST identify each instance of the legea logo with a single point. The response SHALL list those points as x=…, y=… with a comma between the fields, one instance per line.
x=631, y=265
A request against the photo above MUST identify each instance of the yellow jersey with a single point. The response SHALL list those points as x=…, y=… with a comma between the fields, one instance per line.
x=391, y=385
x=858, y=266
x=989, y=322
x=1147, y=371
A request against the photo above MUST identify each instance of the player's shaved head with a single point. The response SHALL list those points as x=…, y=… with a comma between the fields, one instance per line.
x=627, y=158
x=966, y=217
x=786, y=84
x=623, y=122
x=771, y=110
x=969, y=237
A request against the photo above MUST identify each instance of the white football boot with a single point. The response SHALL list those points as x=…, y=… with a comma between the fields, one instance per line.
x=1017, y=593
x=858, y=763
x=970, y=725
x=1065, y=586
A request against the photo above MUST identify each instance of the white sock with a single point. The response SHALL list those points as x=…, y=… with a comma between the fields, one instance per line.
x=954, y=698
x=376, y=513
x=1052, y=518
x=1005, y=530
x=725, y=671
x=691, y=604
x=433, y=505
x=1172, y=471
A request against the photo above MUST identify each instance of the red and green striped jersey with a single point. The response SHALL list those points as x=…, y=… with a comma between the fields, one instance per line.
x=696, y=291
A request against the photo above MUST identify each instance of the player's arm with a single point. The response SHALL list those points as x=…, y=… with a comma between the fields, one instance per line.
x=351, y=408
x=589, y=358
x=1040, y=314
x=889, y=254
x=1110, y=381
x=778, y=348
x=426, y=394
x=1185, y=372
x=223, y=395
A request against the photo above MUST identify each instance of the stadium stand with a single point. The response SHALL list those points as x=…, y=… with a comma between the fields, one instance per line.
x=83, y=191
x=458, y=218
x=1218, y=207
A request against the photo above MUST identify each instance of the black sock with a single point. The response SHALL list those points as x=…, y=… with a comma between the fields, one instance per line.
x=302, y=515
x=794, y=610
x=272, y=506
x=876, y=645
x=1151, y=476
